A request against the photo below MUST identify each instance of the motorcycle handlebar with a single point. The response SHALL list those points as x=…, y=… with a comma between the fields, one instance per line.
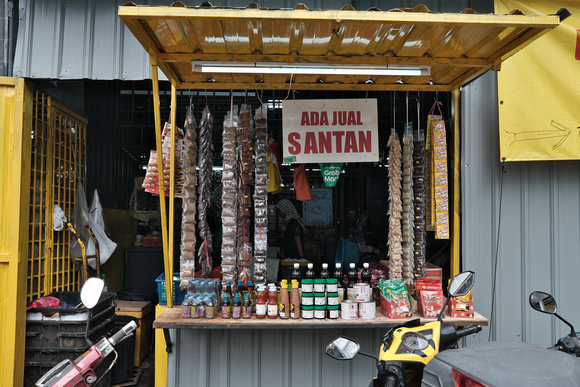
x=123, y=332
x=468, y=331
x=391, y=381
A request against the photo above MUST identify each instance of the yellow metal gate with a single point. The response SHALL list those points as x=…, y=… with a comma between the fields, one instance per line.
x=58, y=165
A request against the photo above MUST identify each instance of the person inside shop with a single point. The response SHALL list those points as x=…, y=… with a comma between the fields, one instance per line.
x=360, y=231
x=293, y=230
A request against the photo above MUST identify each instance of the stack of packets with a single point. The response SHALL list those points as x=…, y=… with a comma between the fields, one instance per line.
x=430, y=298
x=462, y=306
x=395, y=299
x=437, y=200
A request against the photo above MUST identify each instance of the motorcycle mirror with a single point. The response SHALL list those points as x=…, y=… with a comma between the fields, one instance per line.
x=343, y=348
x=543, y=302
x=91, y=292
x=461, y=284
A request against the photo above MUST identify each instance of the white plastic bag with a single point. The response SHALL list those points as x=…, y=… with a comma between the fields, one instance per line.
x=95, y=221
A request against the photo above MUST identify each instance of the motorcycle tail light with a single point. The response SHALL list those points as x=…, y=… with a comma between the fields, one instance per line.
x=462, y=380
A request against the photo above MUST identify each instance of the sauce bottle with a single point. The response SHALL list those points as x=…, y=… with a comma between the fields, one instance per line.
x=226, y=307
x=296, y=274
x=310, y=272
x=272, y=301
x=340, y=278
x=251, y=294
x=237, y=308
x=325, y=274
x=366, y=274
x=261, y=299
x=247, y=307
x=294, y=301
x=284, y=304
x=352, y=278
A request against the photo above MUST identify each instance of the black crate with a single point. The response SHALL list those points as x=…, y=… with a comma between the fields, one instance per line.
x=73, y=299
x=41, y=348
x=123, y=369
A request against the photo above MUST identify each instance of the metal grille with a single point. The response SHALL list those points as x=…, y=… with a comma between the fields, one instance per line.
x=58, y=165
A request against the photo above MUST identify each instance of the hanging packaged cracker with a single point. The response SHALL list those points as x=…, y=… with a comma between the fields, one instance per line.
x=229, y=196
x=205, y=190
x=429, y=167
x=189, y=201
x=151, y=181
x=438, y=203
x=245, y=154
x=395, y=208
x=407, y=220
x=419, y=200
x=261, y=196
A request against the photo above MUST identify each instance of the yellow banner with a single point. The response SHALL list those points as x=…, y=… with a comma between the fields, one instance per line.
x=539, y=89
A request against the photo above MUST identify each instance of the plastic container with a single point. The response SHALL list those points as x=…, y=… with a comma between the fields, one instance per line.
x=178, y=294
x=319, y=285
x=319, y=298
x=331, y=285
x=320, y=312
x=307, y=285
x=346, y=253
x=333, y=312
x=308, y=312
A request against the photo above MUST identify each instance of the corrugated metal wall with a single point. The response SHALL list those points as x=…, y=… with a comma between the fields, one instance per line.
x=63, y=39
x=536, y=206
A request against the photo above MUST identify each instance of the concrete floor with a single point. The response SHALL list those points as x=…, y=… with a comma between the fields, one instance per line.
x=144, y=375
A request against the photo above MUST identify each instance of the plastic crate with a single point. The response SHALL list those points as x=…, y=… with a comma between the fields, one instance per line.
x=178, y=294
x=71, y=312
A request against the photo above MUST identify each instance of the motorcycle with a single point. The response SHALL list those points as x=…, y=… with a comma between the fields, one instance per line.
x=81, y=371
x=510, y=363
x=408, y=347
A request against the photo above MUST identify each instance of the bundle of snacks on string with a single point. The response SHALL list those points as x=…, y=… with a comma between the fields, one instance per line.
x=419, y=206
x=189, y=201
x=229, y=196
x=430, y=298
x=439, y=180
x=179, y=151
x=245, y=157
x=395, y=208
x=407, y=220
x=395, y=299
x=205, y=190
x=151, y=181
x=261, y=195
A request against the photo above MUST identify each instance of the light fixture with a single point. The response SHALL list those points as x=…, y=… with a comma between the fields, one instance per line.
x=307, y=68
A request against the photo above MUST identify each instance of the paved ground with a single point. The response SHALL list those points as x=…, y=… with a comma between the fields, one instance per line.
x=144, y=375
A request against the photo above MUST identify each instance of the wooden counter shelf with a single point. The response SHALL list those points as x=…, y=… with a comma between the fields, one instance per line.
x=171, y=319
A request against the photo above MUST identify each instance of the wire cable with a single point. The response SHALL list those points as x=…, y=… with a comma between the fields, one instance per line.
x=491, y=325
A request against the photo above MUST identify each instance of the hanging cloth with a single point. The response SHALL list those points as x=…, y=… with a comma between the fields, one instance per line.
x=274, y=179
x=301, y=185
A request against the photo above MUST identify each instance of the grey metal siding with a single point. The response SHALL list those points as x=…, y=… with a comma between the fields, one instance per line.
x=63, y=39
x=539, y=226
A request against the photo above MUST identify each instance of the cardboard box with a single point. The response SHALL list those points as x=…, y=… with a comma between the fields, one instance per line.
x=387, y=309
x=453, y=312
x=433, y=271
x=144, y=312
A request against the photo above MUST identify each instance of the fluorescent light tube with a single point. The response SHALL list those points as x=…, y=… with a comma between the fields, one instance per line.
x=306, y=68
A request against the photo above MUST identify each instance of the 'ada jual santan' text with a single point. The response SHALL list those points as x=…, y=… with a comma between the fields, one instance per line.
x=349, y=140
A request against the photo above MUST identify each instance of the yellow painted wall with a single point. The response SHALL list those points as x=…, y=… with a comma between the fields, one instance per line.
x=15, y=143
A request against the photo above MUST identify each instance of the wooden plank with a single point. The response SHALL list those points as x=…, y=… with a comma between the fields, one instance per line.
x=171, y=319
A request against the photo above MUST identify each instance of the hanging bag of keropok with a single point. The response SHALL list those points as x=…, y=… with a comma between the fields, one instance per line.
x=430, y=165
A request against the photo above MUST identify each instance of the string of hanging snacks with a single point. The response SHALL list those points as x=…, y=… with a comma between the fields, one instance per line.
x=407, y=220
x=395, y=208
x=420, y=230
x=229, y=195
x=189, y=202
x=205, y=190
x=438, y=203
x=261, y=196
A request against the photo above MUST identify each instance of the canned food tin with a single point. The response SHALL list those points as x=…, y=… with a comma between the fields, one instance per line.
x=367, y=310
x=348, y=310
x=332, y=299
x=332, y=311
x=308, y=312
x=362, y=292
x=320, y=312
x=319, y=298
x=319, y=285
x=307, y=298
x=307, y=285
x=331, y=285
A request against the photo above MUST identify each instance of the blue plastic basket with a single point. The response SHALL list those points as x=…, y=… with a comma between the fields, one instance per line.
x=178, y=294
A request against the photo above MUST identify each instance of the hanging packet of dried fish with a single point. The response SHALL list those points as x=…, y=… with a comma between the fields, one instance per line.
x=261, y=194
x=204, y=191
x=407, y=226
x=229, y=196
x=189, y=200
x=419, y=204
x=395, y=208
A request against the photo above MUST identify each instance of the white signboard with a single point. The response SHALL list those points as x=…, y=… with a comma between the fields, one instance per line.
x=327, y=131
